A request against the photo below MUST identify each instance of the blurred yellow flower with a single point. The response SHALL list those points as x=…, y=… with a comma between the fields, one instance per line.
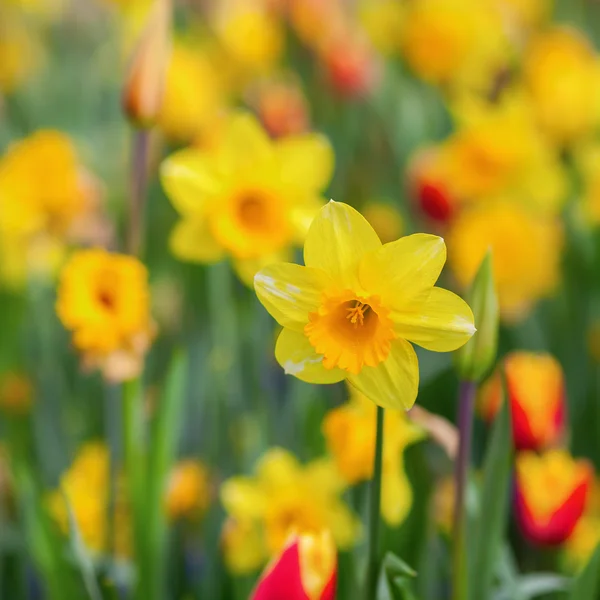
x=103, y=299
x=385, y=219
x=453, y=41
x=194, y=91
x=526, y=248
x=383, y=21
x=246, y=196
x=350, y=434
x=85, y=485
x=16, y=393
x=585, y=538
x=523, y=15
x=497, y=150
x=252, y=36
x=188, y=490
x=567, y=106
x=352, y=311
x=20, y=53
x=283, y=497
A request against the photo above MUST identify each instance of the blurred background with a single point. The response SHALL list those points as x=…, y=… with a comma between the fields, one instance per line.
x=476, y=120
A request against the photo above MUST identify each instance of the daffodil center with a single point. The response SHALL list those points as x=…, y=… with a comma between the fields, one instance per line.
x=350, y=331
x=253, y=212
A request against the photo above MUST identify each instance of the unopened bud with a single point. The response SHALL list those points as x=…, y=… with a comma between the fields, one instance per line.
x=144, y=88
x=477, y=356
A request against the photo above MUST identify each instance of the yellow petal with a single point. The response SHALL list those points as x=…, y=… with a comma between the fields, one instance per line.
x=289, y=292
x=444, y=322
x=247, y=268
x=244, y=144
x=192, y=240
x=242, y=498
x=305, y=161
x=189, y=177
x=402, y=270
x=298, y=358
x=394, y=383
x=337, y=240
x=277, y=468
x=396, y=494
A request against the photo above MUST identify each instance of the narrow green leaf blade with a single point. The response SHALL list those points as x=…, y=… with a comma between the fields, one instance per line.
x=587, y=585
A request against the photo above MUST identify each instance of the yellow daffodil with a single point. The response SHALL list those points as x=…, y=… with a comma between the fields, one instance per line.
x=188, y=491
x=350, y=434
x=85, y=485
x=103, y=299
x=283, y=497
x=382, y=20
x=526, y=248
x=246, y=197
x=567, y=107
x=351, y=312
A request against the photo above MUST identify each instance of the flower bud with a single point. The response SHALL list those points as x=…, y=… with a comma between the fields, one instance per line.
x=144, y=87
x=551, y=494
x=477, y=356
x=305, y=568
x=536, y=392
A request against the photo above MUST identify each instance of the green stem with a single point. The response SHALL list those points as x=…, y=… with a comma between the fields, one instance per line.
x=375, y=511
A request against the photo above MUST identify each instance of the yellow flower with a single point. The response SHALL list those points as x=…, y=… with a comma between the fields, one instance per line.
x=351, y=312
x=382, y=20
x=246, y=197
x=86, y=486
x=194, y=92
x=251, y=36
x=188, y=492
x=450, y=41
x=20, y=53
x=103, y=299
x=526, y=248
x=283, y=497
x=524, y=14
x=16, y=393
x=350, y=434
x=498, y=150
x=581, y=544
x=568, y=106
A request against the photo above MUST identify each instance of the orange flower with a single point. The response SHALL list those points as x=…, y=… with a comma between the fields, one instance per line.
x=305, y=569
x=536, y=390
x=551, y=495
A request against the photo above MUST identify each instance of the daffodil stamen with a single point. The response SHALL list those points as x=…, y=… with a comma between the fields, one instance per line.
x=357, y=313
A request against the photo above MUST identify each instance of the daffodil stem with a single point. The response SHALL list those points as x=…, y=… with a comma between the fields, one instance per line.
x=466, y=408
x=374, y=512
x=139, y=185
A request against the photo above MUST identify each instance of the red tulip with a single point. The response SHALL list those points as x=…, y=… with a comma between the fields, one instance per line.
x=306, y=569
x=536, y=390
x=551, y=494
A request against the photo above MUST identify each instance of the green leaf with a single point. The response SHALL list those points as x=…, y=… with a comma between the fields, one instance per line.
x=532, y=586
x=587, y=584
x=493, y=515
x=395, y=579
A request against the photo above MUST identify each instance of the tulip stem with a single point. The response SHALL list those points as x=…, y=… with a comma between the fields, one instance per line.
x=466, y=408
x=375, y=511
x=139, y=184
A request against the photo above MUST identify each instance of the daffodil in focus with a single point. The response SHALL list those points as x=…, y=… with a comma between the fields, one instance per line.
x=352, y=311
x=246, y=197
x=350, y=434
x=282, y=498
x=526, y=247
x=103, y=300
x=85, y=486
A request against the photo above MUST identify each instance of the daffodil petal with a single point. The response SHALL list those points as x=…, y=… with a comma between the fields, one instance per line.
x=192, y=240
x=338, y=238
x=244, y=144
x=305, y=161
x=290, y=292
x=298, y=358
x=242, y=498
x=442, y=323
x=189, y=178
x=394, y=383
x=396, y=494
x=399, y=272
